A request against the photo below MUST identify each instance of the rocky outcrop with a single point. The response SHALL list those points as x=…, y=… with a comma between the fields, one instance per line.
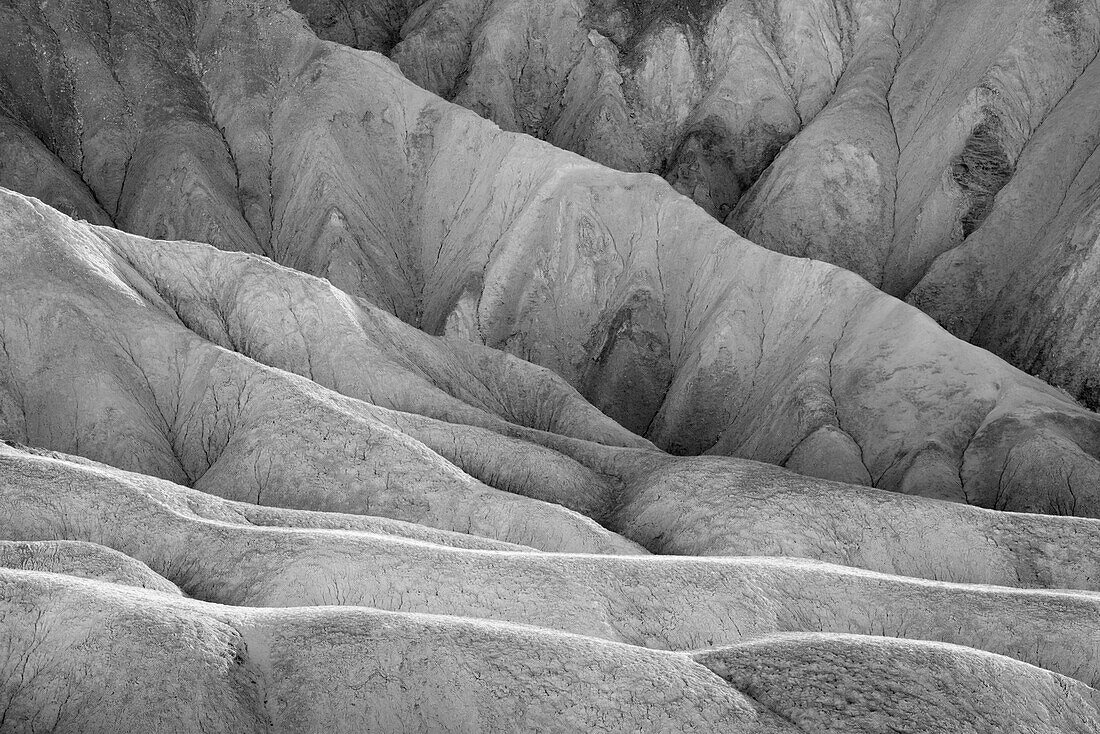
x=1023, y=285
x=937, y=153
x=177, y=326
x=703, y=93
x=665, y=320
x=27, y=165
x=151, y=395
x=113, y=91
x=400, y=450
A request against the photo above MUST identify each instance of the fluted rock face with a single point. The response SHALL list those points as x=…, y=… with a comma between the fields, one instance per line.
x=1024, y=284
x=668, y=322
x=162, y=386
x=113, y=90
x=326, y=404
x=945, y=152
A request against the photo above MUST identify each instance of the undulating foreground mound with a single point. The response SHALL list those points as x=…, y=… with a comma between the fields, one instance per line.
x=78, y=558
x=233, y=553
x=943, y=150
x=84, y=654
x=841, y=683
x=416, y=442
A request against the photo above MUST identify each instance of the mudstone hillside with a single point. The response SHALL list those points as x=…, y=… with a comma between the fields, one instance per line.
x=565, y=365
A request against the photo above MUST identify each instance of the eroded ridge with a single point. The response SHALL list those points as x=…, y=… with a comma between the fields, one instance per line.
x=450, y=429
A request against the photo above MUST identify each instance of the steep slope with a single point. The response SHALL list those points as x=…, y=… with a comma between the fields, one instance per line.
x=112, y=90
x=941, y=147
x=148, y=394
x=1024, y=285
x=666, y=321
x=703, y=93
x=27, y=165
x=170, y=329
x=394, y=453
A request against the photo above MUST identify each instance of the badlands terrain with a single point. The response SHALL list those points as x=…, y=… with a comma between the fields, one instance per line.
x=557, y=365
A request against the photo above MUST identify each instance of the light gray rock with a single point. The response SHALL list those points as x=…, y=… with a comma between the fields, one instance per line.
x=81, y=559
x=940, y=151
